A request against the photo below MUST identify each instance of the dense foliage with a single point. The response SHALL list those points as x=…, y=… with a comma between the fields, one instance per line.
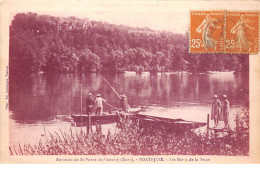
x=57, y=44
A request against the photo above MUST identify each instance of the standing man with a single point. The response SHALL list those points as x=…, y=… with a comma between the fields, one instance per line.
x=215, y=111
x=124, y=103
x=90, y=102
x=225, y=111
x=99, y=104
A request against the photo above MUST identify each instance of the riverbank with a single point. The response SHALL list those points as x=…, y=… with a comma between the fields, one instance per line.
x=131, y=140
x=164, y=72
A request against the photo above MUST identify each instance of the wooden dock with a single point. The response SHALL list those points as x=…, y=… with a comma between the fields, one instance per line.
x=216, y=131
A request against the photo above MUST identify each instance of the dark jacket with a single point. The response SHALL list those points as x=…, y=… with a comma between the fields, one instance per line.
x=90, y=100
x=124, y=104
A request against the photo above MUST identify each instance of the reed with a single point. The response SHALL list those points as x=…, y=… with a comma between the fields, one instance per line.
x=132, y=140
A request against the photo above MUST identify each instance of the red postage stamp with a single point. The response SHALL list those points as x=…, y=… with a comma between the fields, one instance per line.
x=206, y=31
x=242, y=32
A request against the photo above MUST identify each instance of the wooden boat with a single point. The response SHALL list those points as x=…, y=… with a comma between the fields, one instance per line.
x=167, y=123
x=84, y=117
x=111, y=116
x=144, y=120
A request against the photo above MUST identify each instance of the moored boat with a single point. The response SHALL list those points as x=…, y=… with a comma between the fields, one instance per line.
x=144, y=120
x=167, y=123
x=85, y=117
x=112, y=115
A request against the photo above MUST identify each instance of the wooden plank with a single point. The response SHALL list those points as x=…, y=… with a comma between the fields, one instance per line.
x=219, y=129
x=207, y=125
x=159, y=118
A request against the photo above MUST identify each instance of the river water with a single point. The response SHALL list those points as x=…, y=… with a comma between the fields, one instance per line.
x=40, y=102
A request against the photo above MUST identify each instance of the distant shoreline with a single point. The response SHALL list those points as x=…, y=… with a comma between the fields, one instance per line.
x=148, y=72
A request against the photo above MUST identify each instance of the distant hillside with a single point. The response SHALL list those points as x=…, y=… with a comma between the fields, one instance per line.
x=58, y=44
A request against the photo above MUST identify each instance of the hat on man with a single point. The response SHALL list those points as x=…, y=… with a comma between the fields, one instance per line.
x=98, y=95
x=215, y=96
x=225, y=96
x=90, y=94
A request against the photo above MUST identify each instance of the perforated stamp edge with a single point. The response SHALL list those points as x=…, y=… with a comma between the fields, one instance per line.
x=224, y=31
x=258, y=36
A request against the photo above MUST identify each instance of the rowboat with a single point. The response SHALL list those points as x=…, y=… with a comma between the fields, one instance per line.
x=111, y=116
x=115, y=115
x=94, y=120
x=144, y=121
x=84, y=117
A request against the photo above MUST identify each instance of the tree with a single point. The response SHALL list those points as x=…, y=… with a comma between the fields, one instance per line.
x=43, y=42
x=232, y=63
x=89, y=62
x=117, y=60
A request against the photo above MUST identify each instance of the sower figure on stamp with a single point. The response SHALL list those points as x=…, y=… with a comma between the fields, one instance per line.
x=239, y=30
x=90, y=102
x=207, y=23
x=99, y=104
x=215, y=111
x=225, y=111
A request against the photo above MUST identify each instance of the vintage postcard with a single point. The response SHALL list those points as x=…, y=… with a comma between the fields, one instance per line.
x=129, y=82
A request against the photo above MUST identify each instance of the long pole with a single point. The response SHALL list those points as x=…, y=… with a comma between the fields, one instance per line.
x=81, y=105
x=207, y=125
x=111, y=106
x=89, y=121
x=111, y=87
x=89, y=118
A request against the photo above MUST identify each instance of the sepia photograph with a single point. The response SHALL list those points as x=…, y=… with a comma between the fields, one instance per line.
x=157, y=82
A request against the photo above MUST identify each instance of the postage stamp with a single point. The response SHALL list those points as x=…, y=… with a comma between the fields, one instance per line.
x=241, y=32
x=224, y=32
x=206, y=31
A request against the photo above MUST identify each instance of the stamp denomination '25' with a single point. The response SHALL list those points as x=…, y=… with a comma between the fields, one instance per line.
x=242, y=32
x=206, y=31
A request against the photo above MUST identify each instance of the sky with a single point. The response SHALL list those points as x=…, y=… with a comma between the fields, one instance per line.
x=157, y=15
x=173, y=21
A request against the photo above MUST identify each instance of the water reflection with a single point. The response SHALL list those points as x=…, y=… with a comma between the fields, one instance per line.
x=38, y=97
x=40, y=100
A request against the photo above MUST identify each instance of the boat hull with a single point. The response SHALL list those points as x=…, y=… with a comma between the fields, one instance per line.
x=144, y=121
x=85, y=118
x=166, y=123
x=105, y=117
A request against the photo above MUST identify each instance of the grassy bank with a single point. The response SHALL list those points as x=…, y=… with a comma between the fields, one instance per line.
x=134, y=141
